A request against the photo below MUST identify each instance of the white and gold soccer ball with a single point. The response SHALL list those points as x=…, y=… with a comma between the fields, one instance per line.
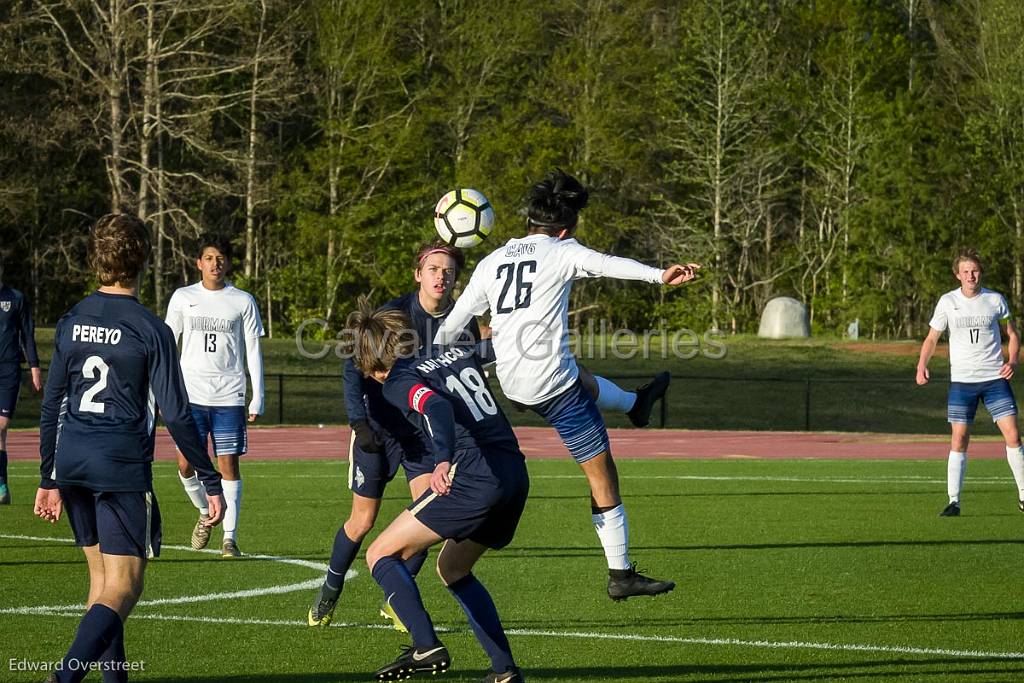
x=463, y=218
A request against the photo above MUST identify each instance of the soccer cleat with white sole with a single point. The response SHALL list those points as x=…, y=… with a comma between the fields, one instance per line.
x=388, y=612
x=322, y=611
x=411, y=662
x=201, y=533
x=230, y=548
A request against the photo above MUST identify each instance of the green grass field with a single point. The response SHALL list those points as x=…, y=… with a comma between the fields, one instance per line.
x=787, y=570
x=758, y=384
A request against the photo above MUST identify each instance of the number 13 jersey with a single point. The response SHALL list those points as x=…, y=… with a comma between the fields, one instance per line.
x=218, y=329
x=975, y=350
x=525, y=284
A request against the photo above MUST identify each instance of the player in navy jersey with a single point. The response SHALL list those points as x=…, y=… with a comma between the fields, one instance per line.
x=381, y=436
x=113, y=364
x=478, y=487
x=17, y=343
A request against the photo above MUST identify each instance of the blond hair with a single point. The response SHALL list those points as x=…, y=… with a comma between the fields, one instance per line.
x=379, y=338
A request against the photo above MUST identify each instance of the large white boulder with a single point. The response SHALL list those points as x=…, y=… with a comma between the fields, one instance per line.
x=784, y=317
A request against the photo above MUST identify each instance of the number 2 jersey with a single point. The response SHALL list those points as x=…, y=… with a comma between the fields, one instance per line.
x=975, y=346
x=525, y=284
x=113, y=363
x=442, y=391
x=218, y=327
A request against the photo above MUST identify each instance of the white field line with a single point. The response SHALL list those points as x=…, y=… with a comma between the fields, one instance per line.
x=186, y=599
x=990, y=481
x=594, y=635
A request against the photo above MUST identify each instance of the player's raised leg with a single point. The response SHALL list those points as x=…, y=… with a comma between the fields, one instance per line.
x=193, y=486
x=637, y=404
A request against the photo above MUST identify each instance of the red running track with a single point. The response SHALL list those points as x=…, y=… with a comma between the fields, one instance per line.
x=281, y=443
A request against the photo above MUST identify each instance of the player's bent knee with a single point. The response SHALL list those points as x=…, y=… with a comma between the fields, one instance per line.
x=357, y=526
x=450, y=572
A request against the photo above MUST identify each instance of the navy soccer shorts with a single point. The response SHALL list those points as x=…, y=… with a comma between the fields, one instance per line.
x=575, y=416
x=10, y=384
x=485, y=510
x=370, y=473
x=224, y=425
x=122, y=522
x=964, y=396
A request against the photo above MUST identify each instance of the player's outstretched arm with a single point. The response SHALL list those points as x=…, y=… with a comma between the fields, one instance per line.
x=678, y=274
x=472, y=302
x=927, y=349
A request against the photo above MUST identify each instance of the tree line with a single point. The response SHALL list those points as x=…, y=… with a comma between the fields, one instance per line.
x=837, y=151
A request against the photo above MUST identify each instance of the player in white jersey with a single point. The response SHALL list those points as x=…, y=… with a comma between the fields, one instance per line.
x=525, y=285
x=973, y=316
x=219, y=327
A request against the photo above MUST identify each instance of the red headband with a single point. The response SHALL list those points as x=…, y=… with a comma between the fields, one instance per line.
x=439, y=250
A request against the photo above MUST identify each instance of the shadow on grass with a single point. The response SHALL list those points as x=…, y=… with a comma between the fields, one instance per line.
x=941, y=669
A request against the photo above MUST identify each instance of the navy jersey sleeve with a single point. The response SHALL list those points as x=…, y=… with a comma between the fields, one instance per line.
x=28, y=334
x=355, y=409
x=49, y=413
x=168, y=387
x=406, y=391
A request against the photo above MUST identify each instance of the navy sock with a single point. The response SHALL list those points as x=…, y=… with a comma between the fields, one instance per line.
x=114, y=661
x=3, y=467
x=401, y=591
x=476, y=602
x=96, y=631
x=342, y=557
x=415, y=563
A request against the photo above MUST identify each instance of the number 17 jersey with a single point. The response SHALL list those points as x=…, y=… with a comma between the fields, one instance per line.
x=975, y=345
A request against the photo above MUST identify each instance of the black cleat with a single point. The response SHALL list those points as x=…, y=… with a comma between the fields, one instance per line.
x=433, y=660
x=513, y=675
x=951, y=510
x=646, y=395
x=628, y=583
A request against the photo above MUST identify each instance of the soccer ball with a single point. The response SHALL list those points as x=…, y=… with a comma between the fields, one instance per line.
x=463, y=218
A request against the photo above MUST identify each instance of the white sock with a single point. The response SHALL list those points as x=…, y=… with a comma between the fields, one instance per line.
x=955, y=470
x=613, y=530
x=196, y=492
x=611, y=397
x=1015, y=456
x=232, y=503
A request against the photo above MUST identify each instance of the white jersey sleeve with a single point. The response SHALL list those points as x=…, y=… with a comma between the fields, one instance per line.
x=940, y=318
x=174, y=317
x=252, y=325
x=586, y=262
x=472, y=301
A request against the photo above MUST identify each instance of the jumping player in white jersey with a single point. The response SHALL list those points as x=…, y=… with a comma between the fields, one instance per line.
x=973, y=316
x=220, y=328
x=525, y=284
